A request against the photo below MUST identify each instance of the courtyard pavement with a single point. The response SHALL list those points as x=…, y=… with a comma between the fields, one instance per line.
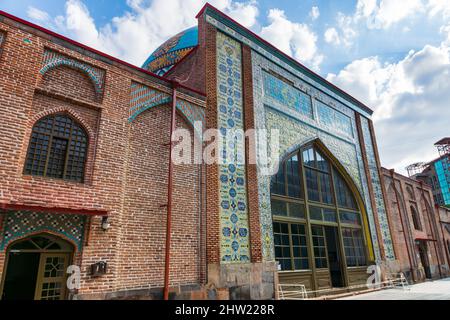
x=430, y=290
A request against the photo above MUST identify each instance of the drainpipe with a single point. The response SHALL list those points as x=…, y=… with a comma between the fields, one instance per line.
x=169, y=193
x=403, y=226
x=431, y=229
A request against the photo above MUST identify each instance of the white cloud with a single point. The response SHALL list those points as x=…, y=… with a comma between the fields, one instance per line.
x=379, y=15
x=37, y=15
x=244, y=13
x=410, y=99
x=135, y=34
x=294, y=39
x=79, y=23
x=436, y=7
x=314, y=13
x=331, y=36
x=384, y=14
x=445, y=30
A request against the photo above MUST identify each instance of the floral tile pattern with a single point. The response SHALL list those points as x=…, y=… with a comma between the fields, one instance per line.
x=234, y=234
x=376, y=183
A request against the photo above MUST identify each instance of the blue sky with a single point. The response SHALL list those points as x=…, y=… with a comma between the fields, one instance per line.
x=394, y=55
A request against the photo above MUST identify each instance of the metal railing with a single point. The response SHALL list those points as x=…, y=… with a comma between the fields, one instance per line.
x=290, y=291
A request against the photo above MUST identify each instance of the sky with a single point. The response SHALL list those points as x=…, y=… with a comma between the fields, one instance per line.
x=393, y=55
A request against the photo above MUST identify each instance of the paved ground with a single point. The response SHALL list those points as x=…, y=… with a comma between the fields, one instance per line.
x=431, y=290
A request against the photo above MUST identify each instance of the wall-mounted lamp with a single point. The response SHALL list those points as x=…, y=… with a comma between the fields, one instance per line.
x=105, y=223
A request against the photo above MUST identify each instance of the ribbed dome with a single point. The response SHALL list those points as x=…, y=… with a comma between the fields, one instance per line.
x=172, y=51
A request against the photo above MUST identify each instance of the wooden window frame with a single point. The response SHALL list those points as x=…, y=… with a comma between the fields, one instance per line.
x=308, y=203
x=53, y=135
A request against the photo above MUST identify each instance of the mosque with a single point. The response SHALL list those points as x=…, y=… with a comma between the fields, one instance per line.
x=90, y=197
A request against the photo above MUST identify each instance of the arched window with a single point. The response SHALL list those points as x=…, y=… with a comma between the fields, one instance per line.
x=57, y=149
x=410, y=191
x=310, y=199
x=415, y=218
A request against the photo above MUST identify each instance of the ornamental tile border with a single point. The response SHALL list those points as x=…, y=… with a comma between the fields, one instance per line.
x=20, y=224
x=234, y=225
x=295, y=130
x=53, y=59
x=302, y=77
x=376, y=183
x=144, y=98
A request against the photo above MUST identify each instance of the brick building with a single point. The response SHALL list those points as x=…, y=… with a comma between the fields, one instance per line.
x=416, y=227
x=59, y=95
x=87, y=181
x=444, y=224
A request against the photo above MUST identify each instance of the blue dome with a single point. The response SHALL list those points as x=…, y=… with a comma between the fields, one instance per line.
x=172, y=51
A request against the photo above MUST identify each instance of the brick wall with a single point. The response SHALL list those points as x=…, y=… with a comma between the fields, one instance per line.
x=403, y=193
x=126, y=170
x=143, y=226
x=444, y=230
x=208, y=44
x=190, y=71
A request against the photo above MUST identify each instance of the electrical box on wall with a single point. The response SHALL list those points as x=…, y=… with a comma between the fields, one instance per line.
x=98, y=269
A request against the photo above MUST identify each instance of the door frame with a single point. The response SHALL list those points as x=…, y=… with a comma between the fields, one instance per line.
x=424, y=259
x=343, y=269
x=70, y=255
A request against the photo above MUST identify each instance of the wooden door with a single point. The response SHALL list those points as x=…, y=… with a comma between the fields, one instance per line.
x=52, y=277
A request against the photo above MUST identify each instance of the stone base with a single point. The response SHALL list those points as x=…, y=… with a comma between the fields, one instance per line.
x=246, y=281
x=182, y=292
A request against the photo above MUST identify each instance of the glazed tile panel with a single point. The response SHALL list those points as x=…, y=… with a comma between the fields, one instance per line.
x=286, y=94
x=222, y=24
x=335, y=126
x=333, y=121
x=20, y=224
x=330, y=117
x=376, y=183
x=53, y=59
x=144, y=98
x=234, y=234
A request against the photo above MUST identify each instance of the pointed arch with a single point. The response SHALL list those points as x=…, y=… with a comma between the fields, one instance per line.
x=328, y=196
x=56, y=237
x=75, y=115
x=58, y=147
x=80, y=67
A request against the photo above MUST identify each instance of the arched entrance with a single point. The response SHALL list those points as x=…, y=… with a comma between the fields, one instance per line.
x=35, y=269
x=320, y=229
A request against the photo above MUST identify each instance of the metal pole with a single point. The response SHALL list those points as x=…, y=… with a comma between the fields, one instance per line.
x=169, y=194
x=403, y=226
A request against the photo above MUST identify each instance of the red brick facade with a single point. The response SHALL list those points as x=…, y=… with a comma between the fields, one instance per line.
x=415, y=227
x=126, y=171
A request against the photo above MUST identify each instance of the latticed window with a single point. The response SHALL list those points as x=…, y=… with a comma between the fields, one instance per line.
x=57, y=149
x=290, y=245
x=354, y=247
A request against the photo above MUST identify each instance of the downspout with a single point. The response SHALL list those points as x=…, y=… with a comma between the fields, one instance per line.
x=403, y=226
x=431, y=229
x=169, y=193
